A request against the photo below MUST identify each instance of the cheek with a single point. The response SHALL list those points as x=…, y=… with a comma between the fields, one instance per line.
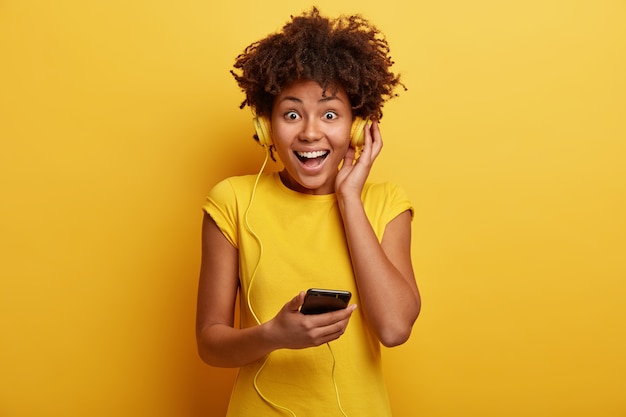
x=342, y=139
x=278, y=138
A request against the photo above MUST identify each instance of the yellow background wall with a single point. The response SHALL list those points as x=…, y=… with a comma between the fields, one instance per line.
x=117, y=117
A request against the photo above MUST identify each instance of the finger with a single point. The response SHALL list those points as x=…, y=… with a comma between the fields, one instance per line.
x=367, y=140
x=296, y=302
x=348, y=159
x=372, y=142
x=332, y=325
x=328, y=319
x=334, y=330
x=377, y=139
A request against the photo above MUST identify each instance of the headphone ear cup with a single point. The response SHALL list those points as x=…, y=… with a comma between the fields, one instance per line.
x=357, y=135
x=262, y=126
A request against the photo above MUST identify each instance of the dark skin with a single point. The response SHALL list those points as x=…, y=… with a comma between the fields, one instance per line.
x=383, y=270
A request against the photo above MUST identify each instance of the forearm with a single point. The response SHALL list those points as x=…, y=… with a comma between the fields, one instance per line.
x=389, y=296
x=224, y=346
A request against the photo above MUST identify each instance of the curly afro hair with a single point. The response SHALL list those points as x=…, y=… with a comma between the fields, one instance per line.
x=346, y=52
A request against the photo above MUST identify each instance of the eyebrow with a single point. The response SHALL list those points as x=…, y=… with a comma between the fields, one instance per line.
x=322, y=100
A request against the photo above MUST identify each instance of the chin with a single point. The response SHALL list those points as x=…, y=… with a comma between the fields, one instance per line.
x=310, y=186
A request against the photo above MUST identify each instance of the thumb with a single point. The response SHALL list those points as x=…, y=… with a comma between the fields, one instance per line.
x=296, y=302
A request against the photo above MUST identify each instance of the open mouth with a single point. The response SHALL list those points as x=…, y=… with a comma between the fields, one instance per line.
x=311, y=158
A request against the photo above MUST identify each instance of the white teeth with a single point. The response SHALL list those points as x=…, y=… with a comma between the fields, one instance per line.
x=315, y=154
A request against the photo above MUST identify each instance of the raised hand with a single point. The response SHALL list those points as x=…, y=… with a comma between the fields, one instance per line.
x=354, y=171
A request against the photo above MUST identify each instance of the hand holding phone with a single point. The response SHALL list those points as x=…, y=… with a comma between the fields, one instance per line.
x=319, y=301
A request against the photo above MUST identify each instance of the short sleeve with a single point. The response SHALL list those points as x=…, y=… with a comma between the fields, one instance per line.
x=221, y=205
x=399, y=202
x=383, y=202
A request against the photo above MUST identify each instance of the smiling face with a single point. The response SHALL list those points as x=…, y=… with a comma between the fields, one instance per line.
x=311, y=133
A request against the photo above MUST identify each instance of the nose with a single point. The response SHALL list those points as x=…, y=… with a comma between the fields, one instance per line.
x=311, y=130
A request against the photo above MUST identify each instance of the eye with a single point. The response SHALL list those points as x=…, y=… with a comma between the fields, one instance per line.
x=292, y=115
x=330, y=115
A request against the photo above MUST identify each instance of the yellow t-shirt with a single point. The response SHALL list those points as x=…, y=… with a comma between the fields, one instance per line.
x=287, y=243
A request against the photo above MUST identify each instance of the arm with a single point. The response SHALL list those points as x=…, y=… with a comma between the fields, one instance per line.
x=389, y=296
x=384, y=275
x=219, y=342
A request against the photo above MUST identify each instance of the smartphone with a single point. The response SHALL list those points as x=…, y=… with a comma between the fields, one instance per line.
x=318, y=301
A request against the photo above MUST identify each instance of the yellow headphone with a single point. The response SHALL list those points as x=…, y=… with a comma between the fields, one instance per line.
x=262, y=126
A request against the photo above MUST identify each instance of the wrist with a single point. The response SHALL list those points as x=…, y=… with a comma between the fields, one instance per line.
x=268, y=336
x=347, y=201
